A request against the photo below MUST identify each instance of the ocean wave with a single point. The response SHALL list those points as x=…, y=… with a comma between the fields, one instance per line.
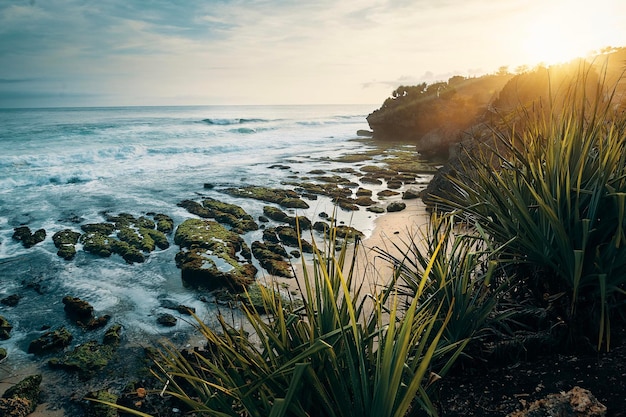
x=226, y=122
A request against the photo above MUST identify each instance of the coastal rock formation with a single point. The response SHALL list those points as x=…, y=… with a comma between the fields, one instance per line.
x=278, y=215
x=28, y=239
x=65, y=241
x=51, y=341
x=209, y=256
x=167, y=320
x=134, y=238
x=577, y=402
x=11, y=300
x=81, y=312
x=88, y=358
x=272, y=256
x=433, y=116
x=225, y=213
x=284, y=198
x=21, y=399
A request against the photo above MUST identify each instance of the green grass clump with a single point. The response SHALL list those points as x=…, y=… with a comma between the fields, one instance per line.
x=339, y=353
x=553, y=191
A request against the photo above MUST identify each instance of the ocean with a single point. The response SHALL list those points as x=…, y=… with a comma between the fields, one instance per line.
x=64, y=167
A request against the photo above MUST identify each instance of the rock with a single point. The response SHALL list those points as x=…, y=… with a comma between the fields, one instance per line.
x=182, y=309
x=577, y=402
x=348, y=232
x=5, y=329
x=50, y=341
x=81, y=312
x=363, y=192
x=209, y=256
x=28, y=239
x=387, y=193
x=376, y=209
x=86, y=359
x=365, y=133
x=3, y=354
x=284, y=198
x=97, y=409
x=410, y=194
x=289, y=236
x=164, y=223
x=21, y=399
x=112, y=336
x=97, y=243
x=395, y=206
x=225, y=213
x=103, y=228
x=128, y=252
x=278, y=215
x=272, y=256
x=65, y=237
x=394, y=184
x=11, y=300
x=67, y=252
x=167, y=320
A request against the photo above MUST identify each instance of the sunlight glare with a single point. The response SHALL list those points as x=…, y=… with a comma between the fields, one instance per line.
x=562, y=32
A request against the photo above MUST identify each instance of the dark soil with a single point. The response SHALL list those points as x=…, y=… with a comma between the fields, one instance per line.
x=499, y=390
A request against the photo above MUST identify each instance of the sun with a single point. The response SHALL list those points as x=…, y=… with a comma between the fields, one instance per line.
x=563, y=30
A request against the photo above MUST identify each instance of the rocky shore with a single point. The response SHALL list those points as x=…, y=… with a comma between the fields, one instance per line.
x=216, y=257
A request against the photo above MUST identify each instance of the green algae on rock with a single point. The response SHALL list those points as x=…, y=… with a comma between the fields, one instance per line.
x=272, y=256
x=22, y=398
x=88, y=358
x=209, y=256
x=284, y=198
x=51, y=341
x=28, y=239
x=225, y=213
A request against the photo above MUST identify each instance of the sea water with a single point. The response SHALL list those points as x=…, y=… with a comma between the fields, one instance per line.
x=63, y=167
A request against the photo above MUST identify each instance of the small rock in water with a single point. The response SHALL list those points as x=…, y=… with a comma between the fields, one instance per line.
x=167, y=320
x=11, y=300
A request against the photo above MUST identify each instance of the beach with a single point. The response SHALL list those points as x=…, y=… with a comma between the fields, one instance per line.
x=66, y=169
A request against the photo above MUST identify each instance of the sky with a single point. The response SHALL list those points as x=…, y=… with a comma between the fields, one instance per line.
x=235, y=52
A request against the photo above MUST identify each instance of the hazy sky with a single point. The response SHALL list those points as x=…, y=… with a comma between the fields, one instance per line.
x=160, y=52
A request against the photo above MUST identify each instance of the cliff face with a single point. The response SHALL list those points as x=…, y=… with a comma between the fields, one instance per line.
x=434, y=116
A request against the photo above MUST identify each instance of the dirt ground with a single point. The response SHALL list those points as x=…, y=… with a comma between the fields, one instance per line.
x=498, y=391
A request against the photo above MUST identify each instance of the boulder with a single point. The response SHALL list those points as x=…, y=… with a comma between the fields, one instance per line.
x=86, y=359
x=289, y=236
x=209, y=256
x=81, y=312
x=411, y=194
x=395, y=206
x=50, y=341
x=22, y=398
x=284, y=198
x=28, y=239
x=164, y=223
x=272, y=256
x=167, y=320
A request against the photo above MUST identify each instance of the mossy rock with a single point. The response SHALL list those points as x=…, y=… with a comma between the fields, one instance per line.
x=411, y=194
x=164, y=223
x=98, y=409
x=395, y=206
x=22, y=398
x=364, y=201
x=348, y=232
x=387, y=193
x=5, y=328
x=289, y=236
x=159, y=238
x=208, y=257
x=77, y=309
x=369, y=179
x=129, y=253
x=271, y=257
x=51, y=341
x=102, y=228
x=253, y=298
x=242, y=220
x=97, y=243
x=3, y=354
x=65, y=237
x=28, y=239
x=136, y=238
x=67, y=252
x=284, y=198
x=86, y=359
x=113, y=335
x=363, y=192
x=394, y=184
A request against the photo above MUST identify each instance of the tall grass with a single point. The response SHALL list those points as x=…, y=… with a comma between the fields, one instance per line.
x=341, y=353
x=554, y=192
